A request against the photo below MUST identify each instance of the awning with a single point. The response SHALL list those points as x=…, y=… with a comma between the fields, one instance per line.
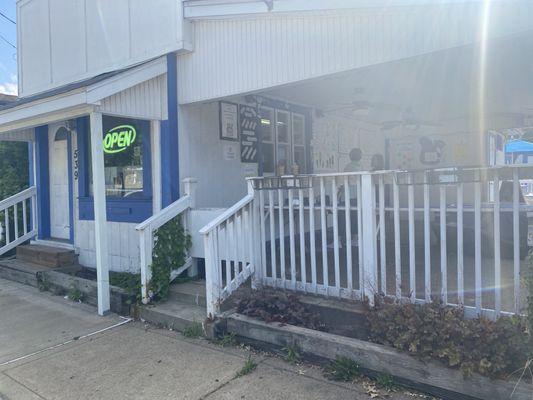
x=519, y=146
x=76, y=99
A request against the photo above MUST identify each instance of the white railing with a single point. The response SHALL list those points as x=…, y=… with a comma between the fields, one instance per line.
x=230, y=251
x=147, y=229
x=455, y=235
x=12, y=233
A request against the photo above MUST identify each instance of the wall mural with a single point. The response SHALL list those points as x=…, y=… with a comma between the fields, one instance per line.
x=432, y=151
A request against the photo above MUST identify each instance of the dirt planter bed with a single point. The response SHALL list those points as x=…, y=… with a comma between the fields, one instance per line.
x=64, y=281
x=430, y=377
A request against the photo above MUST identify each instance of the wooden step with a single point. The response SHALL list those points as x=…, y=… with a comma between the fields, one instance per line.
x=48, y=256
x=21, y=271
x=174, y=314
x=192, y=292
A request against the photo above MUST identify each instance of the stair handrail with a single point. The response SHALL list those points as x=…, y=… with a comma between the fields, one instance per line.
x=147, y=228
x=216, y=290
x=28, y=232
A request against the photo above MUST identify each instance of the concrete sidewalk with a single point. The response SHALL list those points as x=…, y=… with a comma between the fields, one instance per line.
x=49, y=350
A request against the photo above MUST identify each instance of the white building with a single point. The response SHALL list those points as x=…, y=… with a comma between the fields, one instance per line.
x=222, y=90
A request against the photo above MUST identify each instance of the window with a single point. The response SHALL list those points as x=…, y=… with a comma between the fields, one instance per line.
x=283, y=136
x=266, y=119
x=298, y=140
x=123, y=157
x=127, y=169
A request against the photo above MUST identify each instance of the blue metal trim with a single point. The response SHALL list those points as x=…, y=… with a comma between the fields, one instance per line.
x=82, y=129
x=118, y=209
x=43, y=181
x=70, y=189
x=31, y=179
x=170, y=172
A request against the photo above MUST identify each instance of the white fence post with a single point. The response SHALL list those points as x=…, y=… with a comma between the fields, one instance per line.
x=189, y=189
x=212, y=264
x=255, y=227
x=369, y=238
x=145, y=246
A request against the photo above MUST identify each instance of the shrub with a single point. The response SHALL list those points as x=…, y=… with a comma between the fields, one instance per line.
x=433, y=331
x=131, y=283
x=273, y=306
x=172, y=243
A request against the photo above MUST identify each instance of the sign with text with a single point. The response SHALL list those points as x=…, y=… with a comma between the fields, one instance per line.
x=119, y=138
x=248, y=133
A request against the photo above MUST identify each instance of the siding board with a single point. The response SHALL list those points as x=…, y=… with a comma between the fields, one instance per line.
x=245, y=54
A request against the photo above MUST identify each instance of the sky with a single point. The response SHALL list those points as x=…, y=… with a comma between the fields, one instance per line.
x=8, y=55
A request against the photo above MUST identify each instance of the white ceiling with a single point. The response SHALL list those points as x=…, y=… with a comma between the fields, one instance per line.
x=438, y=88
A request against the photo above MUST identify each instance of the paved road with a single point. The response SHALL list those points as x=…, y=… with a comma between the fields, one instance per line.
x=52, y=348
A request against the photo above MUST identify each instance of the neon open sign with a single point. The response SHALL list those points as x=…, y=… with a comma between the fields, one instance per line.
x=119, y=139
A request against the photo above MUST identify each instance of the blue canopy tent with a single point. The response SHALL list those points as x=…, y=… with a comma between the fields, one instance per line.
x=518, y=152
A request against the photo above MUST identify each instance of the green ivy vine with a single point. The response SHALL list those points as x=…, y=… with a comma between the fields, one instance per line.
x=172, y=243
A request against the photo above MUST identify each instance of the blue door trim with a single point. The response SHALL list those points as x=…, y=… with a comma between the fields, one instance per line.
x=70, y=189
x=170, y=172
x=31, y=178
x=43, y=182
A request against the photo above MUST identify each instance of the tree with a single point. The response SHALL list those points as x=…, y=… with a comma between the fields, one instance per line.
x=14, y=168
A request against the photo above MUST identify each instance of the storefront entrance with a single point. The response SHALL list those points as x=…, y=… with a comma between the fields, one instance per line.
x=59, y=183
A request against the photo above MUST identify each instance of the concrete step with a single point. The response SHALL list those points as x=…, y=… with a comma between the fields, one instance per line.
x=53, y=257
x=174, y=314
x=21, y=271
x=192, y=292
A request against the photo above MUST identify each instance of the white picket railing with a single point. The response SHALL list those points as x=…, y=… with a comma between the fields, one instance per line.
x=230, y=251
x=147, y=229
x=458, y=235
x=12, y=233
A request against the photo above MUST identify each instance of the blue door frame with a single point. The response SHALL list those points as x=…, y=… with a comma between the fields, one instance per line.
x=42, y=153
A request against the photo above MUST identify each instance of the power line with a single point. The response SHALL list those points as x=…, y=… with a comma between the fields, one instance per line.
x=6, y=17
x=8, y=42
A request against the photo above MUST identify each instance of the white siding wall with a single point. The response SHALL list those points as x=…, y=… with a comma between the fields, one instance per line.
x=62, y=41
x=221, y=183
x=123, y=245
x=25, y=135
x=147, y=100
x=240, y=55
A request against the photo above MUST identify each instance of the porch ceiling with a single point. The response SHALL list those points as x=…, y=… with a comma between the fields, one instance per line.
x=439, y=88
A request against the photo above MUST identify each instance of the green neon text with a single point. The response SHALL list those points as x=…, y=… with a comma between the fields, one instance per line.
x=119, y=139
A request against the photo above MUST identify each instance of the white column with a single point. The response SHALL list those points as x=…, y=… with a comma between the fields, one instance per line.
x=189, y=189
x=100, y=218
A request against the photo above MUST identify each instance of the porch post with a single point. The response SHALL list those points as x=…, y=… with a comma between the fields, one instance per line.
x=369, y=238
x=100, y=218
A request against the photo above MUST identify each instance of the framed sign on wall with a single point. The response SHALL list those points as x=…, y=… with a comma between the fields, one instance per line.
x=248, y=132
x=229, y=121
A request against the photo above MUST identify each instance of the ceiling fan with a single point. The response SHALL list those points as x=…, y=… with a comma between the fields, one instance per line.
x=408, y=120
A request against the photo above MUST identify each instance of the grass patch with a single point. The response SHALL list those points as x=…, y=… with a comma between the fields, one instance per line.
x=194, y=331
x=342, y=369
x=228, y=339
x=292, y=354
x=385, y=381
x=249, y=366
x=75, y=294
